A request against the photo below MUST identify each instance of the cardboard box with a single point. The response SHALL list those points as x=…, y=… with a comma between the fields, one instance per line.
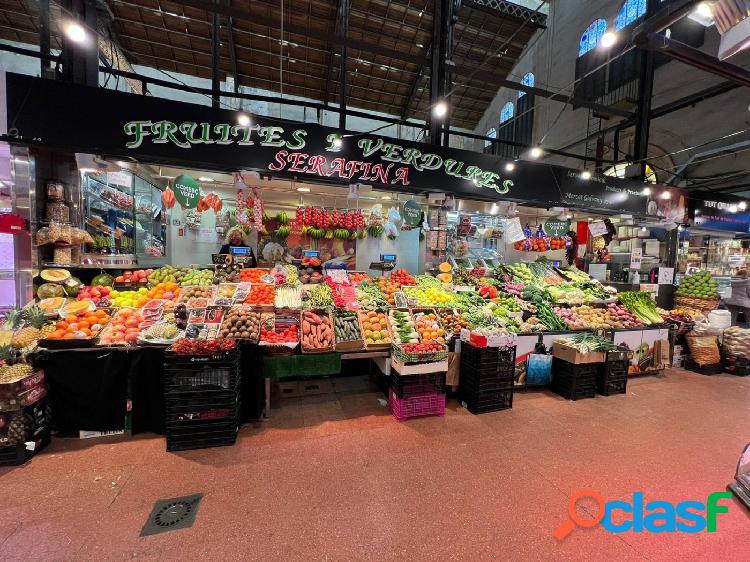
x=572, y=355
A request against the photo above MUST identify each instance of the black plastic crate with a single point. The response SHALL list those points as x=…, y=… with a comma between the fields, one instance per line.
x=484, y=402
x=476, y=382
x=205, y=378
x=406, y=386
x=574, y=381
x=191, y=443
x=174, y=359
x=484, y=356
x=713, y=369
x=739, y=366
x=612, y=378
x=199, y=433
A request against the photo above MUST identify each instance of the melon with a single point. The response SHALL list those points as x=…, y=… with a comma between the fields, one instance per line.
x=54, y=275
x=72, y=286
x=445, y=277
x=76, y=307
x=49, y=290
x=103, y=279
x=445, y=267
x=51, y=304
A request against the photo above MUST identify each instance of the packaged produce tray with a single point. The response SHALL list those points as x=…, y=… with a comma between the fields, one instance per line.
x=28, y=382
x=405, y=357
x=23, y=399
x=366, y=319
x=739, y=366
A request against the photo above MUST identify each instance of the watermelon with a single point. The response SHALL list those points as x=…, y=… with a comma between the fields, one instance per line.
x=72, y=286
x=103, y=279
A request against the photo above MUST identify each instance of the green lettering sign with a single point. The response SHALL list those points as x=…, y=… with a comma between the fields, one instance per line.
x=412, y=213
x=186, y=191
x=555, y=226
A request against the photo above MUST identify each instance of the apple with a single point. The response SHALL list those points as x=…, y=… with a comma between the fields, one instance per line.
x=120, y=278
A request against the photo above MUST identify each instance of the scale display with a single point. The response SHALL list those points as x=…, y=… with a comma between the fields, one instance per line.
x=389, y=258
x=311, y=254
x=240, y=251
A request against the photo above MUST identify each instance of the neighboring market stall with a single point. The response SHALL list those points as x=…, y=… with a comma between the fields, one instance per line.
x=441, y=266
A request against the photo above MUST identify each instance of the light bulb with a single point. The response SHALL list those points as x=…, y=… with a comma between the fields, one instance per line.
x=585, y=175
x=646, y=191
x=75, y=32
x=742, y=205
x=440, y=109
x=337, y=142
x=243, y=119
x=535, y=152
x=608, y=39
x=510, y=166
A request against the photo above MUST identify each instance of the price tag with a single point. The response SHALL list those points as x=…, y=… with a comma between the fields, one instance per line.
x=636, y=257
x=459, y=288
x=598, y=228
x=465, y=334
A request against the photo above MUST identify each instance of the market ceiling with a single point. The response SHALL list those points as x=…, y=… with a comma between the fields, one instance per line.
x=388, y=47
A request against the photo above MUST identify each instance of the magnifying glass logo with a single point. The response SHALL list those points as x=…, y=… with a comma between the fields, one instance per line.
x=574, y=519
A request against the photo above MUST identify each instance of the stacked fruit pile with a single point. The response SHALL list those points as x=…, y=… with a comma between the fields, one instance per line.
x=241, y=322
x=428, y=327
x=84, y=325
x=261, y=294
x=402, y=277
x=375, y=328
x=387, y=288
x=167, y=273
x=317, y=333
x=123, y=329
x=346, y=326
x=699, y=285
x=403, y=327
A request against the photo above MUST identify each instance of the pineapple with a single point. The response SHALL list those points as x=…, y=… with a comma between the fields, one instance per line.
x=11, y=322
x=14, y=373
x=18, y=429
x=29, y=334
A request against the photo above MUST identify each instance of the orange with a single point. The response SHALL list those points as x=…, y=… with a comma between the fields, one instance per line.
x=71, y=318
x=61, y=325
x=87, y=331
x=72, y=326
x=99, y=313
x=68, y=336
x=83, y=324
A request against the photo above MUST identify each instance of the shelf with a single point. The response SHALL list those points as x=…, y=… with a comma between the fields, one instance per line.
x=112, y=205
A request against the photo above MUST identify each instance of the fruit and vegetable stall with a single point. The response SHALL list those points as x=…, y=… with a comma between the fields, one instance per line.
x=411, y=324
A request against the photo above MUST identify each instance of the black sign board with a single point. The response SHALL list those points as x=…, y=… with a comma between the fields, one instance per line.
x=729, y=215
x=150, y=129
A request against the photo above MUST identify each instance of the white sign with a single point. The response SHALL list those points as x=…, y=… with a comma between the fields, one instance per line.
x=598, y=271
x=121, y=179
x=666, y=275
x=207, y=235
x=650, y=288
x=598, y=228
x=636, y=256
x=513, y=231
x=652, y=248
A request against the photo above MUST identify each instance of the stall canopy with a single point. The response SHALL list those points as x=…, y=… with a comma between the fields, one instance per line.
x=95, y=120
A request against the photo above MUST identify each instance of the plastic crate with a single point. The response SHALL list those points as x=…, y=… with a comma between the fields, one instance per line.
x=612, y=378
x=204, y=378
x=474, y=381
x=480, y=357
x=174, y=359
x=574, y=381
x=198, y=434
x=407, y=386
x=15, y=455
x=739, y=366
x=708, y=370
x=432, y=404
x=482, y=403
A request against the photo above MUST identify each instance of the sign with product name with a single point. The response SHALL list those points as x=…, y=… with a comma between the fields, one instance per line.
x=555, y=226
x=598, y=228
x=731, y=216
x=412, y=213
x=186, y=191
x=152, y=129
x=636, y=258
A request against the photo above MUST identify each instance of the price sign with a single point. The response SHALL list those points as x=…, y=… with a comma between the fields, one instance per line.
x=513, y=231
x=666, y=275
x=186, y=191
x=598, y=228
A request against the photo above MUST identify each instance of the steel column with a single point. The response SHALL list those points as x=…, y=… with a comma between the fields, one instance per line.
x=80, y=61
x=44, y=36
x=437, y=66
x=344, y=30
x=645, y=93
x=215, y=61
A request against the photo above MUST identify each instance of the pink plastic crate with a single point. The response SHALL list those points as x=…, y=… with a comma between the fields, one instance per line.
x=432, y=404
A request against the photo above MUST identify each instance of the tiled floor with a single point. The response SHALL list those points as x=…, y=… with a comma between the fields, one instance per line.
x=336, y=478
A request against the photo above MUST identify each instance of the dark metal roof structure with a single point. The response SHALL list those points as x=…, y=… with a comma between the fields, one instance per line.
x=387, y=45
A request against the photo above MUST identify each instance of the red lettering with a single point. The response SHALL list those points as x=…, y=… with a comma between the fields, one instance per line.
x=402, y=175
x=352, y=166
x=280, y=157
x=337, y=167
x=316, y=165
x=365, y=172
x=295, y=158
x=381, y=175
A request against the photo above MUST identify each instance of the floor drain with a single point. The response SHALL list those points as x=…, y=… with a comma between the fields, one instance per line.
x=176, y=513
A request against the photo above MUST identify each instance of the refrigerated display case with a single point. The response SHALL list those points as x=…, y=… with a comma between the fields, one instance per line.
x=123, y=214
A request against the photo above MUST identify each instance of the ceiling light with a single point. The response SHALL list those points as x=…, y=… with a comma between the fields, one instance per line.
x=337, y=142
x=646, y=191
x=732, y=208
x=585, y=175
x=742, y=205
x=643, y=229
x=420, y=45
x=475, y=181
x=510, y=166
x=75, y=32
x=243, y=119
x=666, y=195
x=608, y=39
x=303, y=189
x=386, y=197
x=440, y=109
x=206, y=179
x=535, y=152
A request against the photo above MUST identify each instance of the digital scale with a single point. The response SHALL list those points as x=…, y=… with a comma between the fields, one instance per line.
x=311, y=254
x=387, y=263
x=240, y=251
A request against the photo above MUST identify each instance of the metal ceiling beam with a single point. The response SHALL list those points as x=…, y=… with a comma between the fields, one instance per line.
x=215, y=60
x=509, y=10
x=413, y=89
x=332, y=53
x=335, y=39
x=233, y=53
x=344, y=31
